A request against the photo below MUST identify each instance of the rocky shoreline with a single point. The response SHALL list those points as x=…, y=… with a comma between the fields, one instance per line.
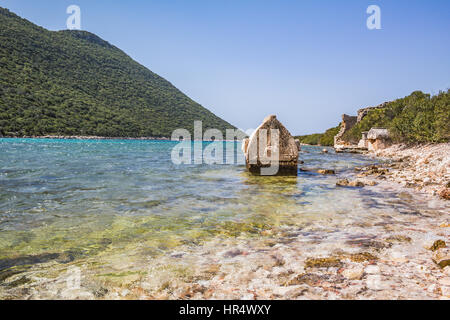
x=382, y=242
x=100, y=138
x=425, y=168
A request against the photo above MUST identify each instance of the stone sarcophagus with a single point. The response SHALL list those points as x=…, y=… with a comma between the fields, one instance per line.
x=271, y=149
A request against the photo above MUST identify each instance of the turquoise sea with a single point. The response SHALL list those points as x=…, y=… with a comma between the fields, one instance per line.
x=118, y=209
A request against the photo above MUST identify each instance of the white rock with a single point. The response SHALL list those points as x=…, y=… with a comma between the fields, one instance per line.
x=372, y=270
x=284, y=291
x=353, y=273
x=374, y=282
x=445, y=291
x=431, y=288
x=441, y=256
x=445, y=281
x=249, y=296
x=446, y=270
x=398, y=257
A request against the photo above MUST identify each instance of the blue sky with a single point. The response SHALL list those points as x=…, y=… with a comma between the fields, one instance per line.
x=305, y=61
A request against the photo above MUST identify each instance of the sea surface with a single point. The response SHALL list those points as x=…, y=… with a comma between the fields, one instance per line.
x=125, y=217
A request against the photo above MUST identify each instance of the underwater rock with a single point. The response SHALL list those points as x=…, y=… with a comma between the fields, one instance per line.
x=233, y=253
x=445, y=281
x=356, y=183
x=323, y=262
x=342, y=182
x=372, y=269
x=362, y=257
x=19, y=282
x=369, y=244
x=5, y=274
x=326, y=171
x=438, y=244
x=347, y=183
x=354, y=273
x=27, y=260
x=442, y=257
x=310, y=279
x=398, y=239
x=444, y=193
x=264, y=155
x=373, y=170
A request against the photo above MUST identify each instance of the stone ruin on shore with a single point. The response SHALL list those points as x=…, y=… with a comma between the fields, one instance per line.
x=271, y=149
x=375, y=139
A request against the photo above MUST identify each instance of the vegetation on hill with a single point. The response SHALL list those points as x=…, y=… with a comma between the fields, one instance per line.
x=312, y=139
x=323, y=139
x=74, y=83
x=417, y=118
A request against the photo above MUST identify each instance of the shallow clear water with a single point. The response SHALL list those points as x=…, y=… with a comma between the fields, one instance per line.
x=111, y=206
x=61, y=195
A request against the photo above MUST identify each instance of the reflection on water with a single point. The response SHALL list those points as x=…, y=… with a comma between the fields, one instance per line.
x=111, y=205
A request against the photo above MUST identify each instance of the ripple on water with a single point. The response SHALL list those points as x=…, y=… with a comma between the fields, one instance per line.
x=123, y=212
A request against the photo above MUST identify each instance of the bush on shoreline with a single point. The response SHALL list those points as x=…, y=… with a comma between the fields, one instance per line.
x=323, y=139
x=417, y=118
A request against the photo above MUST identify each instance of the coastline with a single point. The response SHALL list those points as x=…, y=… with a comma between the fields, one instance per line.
x=76, y=137
x=424, y=168
x=100, y=138
x=379, y=242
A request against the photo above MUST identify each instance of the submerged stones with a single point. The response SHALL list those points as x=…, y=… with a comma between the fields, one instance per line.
x=326, y=171
x=347, y=183
x=369, y=244
x=323, y=262
x=438, y=244
x=442, y=257
x=444, y=193
x=372, y=170
x=271, y=149
x=398, y=239
x=362, y=257
x=355, y=183
x=310, y=279
x=354, y=273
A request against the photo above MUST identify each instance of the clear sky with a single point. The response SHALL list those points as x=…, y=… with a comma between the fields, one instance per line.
x=308, y=62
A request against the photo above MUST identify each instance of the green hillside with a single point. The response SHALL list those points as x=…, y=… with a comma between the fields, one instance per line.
x=74, y=83
x=323, y=139
x=417, y=118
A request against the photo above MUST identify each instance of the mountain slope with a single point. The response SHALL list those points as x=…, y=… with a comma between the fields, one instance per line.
x=417, y=118
x=74, y=83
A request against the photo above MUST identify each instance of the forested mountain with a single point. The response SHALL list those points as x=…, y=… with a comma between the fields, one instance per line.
x=74, y=83
x=417, y=118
